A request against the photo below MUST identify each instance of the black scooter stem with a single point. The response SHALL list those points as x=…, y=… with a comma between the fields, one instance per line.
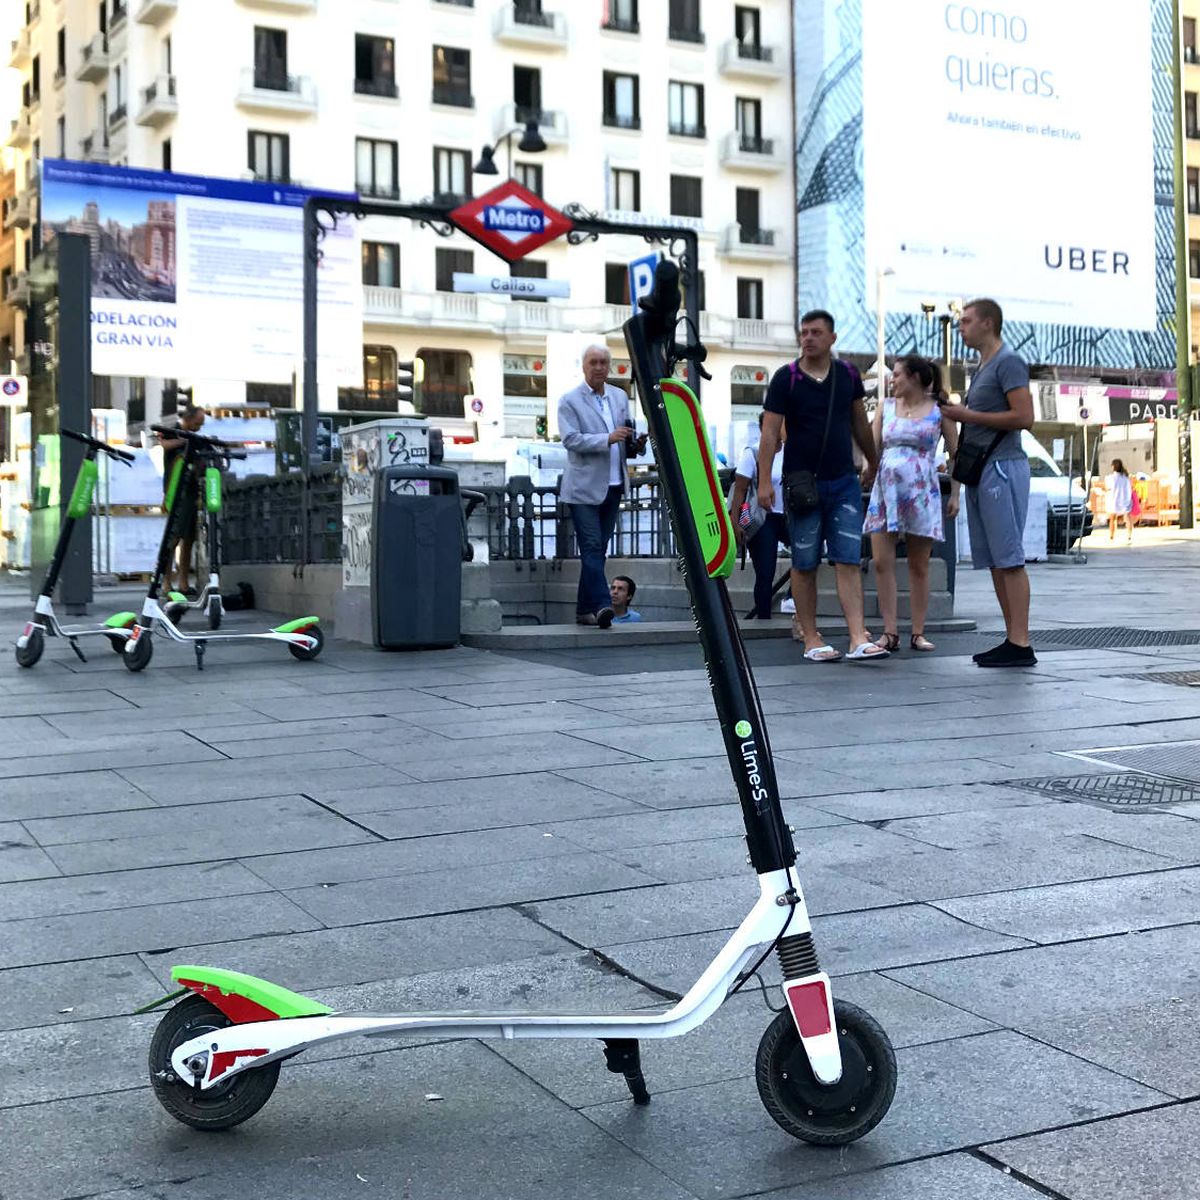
x=650, y=335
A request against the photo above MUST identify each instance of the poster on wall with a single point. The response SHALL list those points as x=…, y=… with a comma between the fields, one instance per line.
x=1014, y=150
x=195, y=277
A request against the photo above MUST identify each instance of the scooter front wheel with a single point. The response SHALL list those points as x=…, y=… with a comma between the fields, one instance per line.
x=35, y=643
x=139, y=657
x=221, y=1106
x=215, y=612
x=305, y=653
x=815, y=1112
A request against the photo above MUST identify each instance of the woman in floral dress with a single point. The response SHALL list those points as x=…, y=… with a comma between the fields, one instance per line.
x=906, y=500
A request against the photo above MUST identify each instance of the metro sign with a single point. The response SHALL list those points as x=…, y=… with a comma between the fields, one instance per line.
x=510, y=221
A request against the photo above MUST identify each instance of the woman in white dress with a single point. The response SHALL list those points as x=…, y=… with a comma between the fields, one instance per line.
x=1118, y=489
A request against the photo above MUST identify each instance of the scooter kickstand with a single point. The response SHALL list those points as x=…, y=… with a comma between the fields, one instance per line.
x=75, y=646
x=623, y=1057
x=201, y=646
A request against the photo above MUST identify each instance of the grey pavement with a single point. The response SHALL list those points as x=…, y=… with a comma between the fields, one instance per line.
x=558, y=830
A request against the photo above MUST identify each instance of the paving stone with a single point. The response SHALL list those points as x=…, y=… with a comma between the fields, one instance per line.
x=396, y=701
x=123, y=889
x=21, y=857
x=275, y=776
x=364, y=953
x=63, y=992
x=38, y=702
x=128, y=930
x=518, y=720
x=848, y=943
x=61, y=795
x=952, y=1177
x=382, y=860
x=700, y=781
x=484, y=757
x=718, y=1141
x=165, y=751
x=923, y=801
x=430, y=892
x=1064, y=995
x=331, y=1126
x=933, y=873
x=1151, y=1155
x=1080, y=910
x=125, y=720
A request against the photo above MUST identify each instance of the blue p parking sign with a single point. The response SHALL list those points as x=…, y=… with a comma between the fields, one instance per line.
x=641, y=277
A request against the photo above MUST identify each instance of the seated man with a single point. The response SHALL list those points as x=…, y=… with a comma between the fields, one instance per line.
x=621, y=591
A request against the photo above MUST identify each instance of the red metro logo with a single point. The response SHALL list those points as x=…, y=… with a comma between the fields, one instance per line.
x=510, y=220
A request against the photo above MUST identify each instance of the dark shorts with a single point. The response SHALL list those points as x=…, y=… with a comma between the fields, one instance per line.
x=835, y=525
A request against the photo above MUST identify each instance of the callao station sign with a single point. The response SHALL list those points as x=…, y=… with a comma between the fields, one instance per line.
x=510, y=221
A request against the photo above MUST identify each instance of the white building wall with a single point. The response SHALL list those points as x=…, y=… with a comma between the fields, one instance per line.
x=212, y=52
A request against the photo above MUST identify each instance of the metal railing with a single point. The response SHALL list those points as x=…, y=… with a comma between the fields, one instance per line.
x=752, y=144
x=264, y=520
x=453, y=94
x=755, y=53
x=532, y=16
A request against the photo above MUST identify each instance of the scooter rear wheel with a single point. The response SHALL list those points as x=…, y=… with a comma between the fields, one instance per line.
x=139, y=657
x=304, y=653
x=815, y=1112
x=28, y=654
x=219, y=1107
x=214, y=612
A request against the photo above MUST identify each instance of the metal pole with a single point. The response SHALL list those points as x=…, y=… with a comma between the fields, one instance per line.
x=1182, y=304
x=308, y=435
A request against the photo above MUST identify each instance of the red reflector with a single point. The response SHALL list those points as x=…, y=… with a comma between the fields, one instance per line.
x=810, y=1008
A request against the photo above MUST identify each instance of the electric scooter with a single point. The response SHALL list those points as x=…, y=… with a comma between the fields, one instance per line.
x=44, y=623
x=213, y=462
x=303, y=636
x=825, y=1069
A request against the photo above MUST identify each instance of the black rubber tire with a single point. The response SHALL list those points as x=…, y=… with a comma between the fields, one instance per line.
x=28, y=654
x=308, y=655
x=811, y=1111
x=116, y=642
x=214, y=612
x=143, y=652
x=220, y=1107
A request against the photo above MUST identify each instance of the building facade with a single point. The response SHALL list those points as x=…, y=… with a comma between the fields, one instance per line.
x=1191, y=153
x=650, y=110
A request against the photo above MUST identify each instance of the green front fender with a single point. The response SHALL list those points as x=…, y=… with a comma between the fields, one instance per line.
x=216, y=983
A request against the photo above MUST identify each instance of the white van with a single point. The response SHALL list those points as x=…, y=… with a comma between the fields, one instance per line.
x=1066, y=501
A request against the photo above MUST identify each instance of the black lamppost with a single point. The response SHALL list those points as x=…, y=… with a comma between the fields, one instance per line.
x=531, y=142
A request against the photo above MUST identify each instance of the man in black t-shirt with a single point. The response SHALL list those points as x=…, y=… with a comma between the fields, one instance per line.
x=191, y=418
x=821, y=399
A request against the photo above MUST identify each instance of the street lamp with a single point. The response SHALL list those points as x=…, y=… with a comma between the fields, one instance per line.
x=880, y=335
x=531, y=142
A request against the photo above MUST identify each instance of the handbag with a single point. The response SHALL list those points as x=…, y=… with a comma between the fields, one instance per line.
x=969, y=461
x=751, y=517
x=800, y=492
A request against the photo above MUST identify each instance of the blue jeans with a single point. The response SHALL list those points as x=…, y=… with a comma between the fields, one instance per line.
x=835, y=524
x=594, y=525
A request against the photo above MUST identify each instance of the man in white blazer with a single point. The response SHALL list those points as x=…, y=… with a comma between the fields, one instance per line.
x=598, y=432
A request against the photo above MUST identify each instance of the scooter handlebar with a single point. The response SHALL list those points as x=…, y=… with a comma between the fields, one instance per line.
x=111, y=451
x=200, y=439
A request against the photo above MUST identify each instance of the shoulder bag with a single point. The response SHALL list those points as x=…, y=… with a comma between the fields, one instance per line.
x=800, y=491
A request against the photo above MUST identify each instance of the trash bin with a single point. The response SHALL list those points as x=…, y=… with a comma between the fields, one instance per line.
x=416, y=558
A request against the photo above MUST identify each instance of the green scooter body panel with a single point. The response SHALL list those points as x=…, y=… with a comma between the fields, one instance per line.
x=298, y=625
x=80, y=503
x=271, y=996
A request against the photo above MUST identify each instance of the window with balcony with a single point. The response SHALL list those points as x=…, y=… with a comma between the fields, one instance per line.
x=60, y=138
x=375, y=170
x=525, y=268
x=748, y=116
x=686, y=195
x=621, y=101
x=749, y=221
x=166, y=154
x=529, y=175
x=447, y=262
x=747, y=26
x=35, y=79
x=616, y=283
x=1189, y=40
x=750, y=299
x=1193, y=190
x=1194, y=259
x=683, y=21
x=381, y=264
x=374, y=66
x=701, y=293
x=445, y=378
x=529, y=12
x=119, y=13
x=626, y=190
x=268, y=155
x=622, y=15
x=685, y=109
x=270, y=58
x=451, y=175
x=527, y=94
x=379, y=372
x=452, y=76
x=1190, y=122
x=60, y=56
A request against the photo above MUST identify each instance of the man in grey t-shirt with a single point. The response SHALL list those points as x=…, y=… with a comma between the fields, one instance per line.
x=999, y=405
